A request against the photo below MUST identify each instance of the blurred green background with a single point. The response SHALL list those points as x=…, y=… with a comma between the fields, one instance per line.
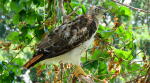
x=119, y=54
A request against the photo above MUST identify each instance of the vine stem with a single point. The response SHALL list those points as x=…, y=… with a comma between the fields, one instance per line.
x=19, y=51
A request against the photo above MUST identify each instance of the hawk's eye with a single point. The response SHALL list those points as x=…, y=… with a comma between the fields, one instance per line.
x=97, y=10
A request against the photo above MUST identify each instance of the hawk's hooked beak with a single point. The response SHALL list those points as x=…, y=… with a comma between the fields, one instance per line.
x=104, y=15
x=105, y=12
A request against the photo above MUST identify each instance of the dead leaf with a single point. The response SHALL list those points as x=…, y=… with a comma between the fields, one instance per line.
x=105, y=81
x=117, y=24
x=18, y=47
x=110, y=52
x=117, y=69
x=1, y=42
x=1, y=20
x=6, y=49
x=56, y=68
x=49, y=72
x=110, y=65
x=144, y=58
x=116, y=19
x=46, y=81
x=39, y=70
x=6, y=44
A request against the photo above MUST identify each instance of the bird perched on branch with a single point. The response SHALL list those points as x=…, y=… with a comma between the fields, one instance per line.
x=67, y=42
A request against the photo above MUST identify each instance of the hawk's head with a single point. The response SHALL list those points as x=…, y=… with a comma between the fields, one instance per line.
x=97, y=11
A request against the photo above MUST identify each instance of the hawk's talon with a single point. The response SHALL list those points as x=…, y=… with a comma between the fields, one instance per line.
x=78, y=71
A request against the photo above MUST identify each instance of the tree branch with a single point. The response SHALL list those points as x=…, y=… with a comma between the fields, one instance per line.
x=61, y=6
x=131, y=7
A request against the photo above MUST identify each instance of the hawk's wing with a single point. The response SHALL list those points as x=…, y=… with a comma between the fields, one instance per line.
x=64, y=38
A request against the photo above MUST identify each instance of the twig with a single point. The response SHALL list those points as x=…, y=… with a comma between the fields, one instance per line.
x=131, y=7
x=19, y=52
x=15, y=56
x=76, y=8
x=73, y=11
x=65, y=17
x=134, y=80
x=137, y=61
x=91, y=61
x=86, y=79
x=147, y=80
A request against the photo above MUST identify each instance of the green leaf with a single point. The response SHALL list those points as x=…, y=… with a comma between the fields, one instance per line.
x=124, y=11
x=105, y=32
x=102, y=28
x=116, y=59
x=113, y=7
x=83, y=59
x=15, y=6
x=30, y=19
x=16, y=18
x=74, y=4
x=91, y=65
x=104, y=54
x=39, y=18
x=19, y=61
x=37, y=2
x=134, y=67
x=7, y=77
x=1, y=67
x=125, y=35
x=84, y=10
x=95, y=55
x=13, y=36
x=79, y=11
x=102, y=69
x=98, y=54
x=6, y=73
x=11, y=75
x=123, y=54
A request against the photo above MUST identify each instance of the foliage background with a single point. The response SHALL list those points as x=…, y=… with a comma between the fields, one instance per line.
x=120, y=53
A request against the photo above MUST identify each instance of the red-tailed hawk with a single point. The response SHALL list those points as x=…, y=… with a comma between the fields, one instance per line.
x=67, y=42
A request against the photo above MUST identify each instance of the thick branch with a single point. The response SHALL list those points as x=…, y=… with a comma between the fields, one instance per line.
x=131, y=7
x=61, y=6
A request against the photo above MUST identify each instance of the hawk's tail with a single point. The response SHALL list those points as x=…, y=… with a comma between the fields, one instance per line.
x=33, y=61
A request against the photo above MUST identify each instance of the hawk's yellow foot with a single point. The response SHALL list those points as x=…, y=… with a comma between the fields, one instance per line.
x=78, y=71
